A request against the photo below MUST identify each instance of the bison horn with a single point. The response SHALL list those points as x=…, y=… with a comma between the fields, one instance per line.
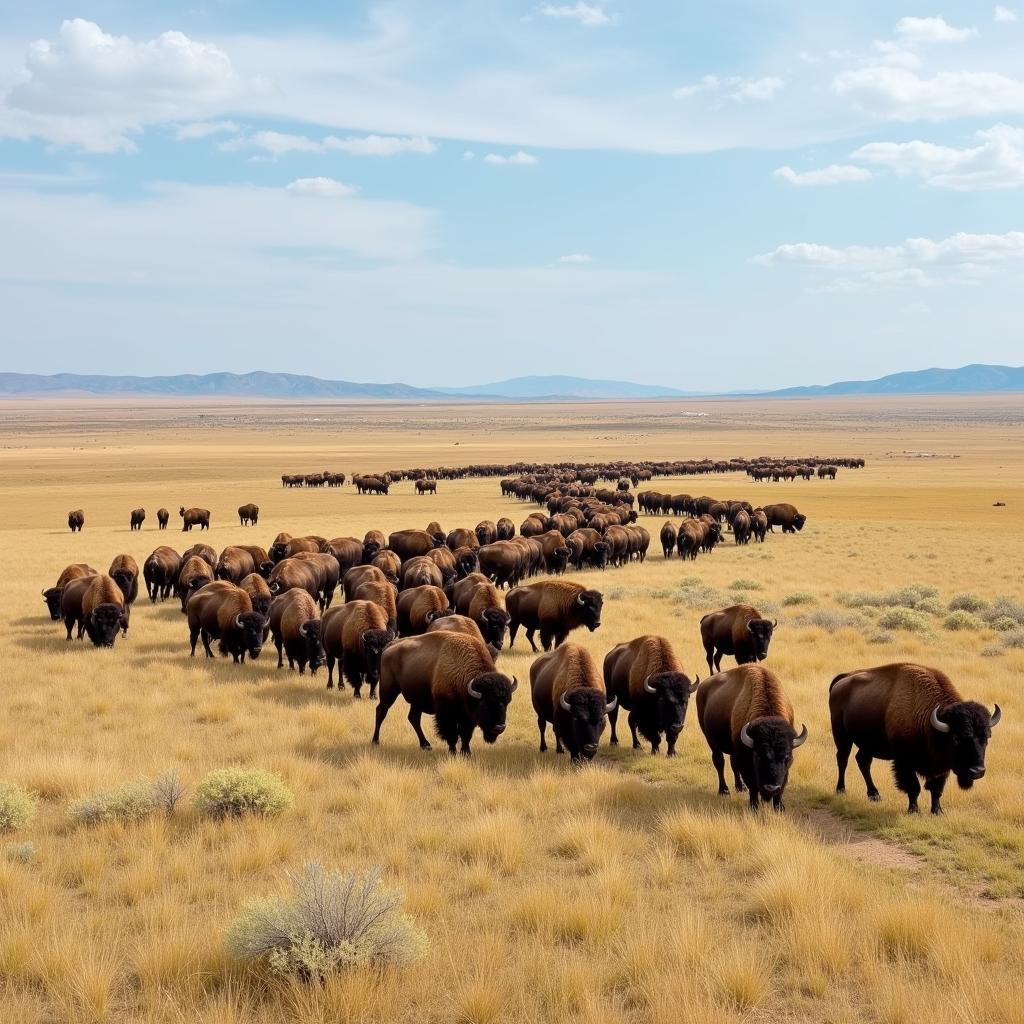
x=801, y=738
x=775, y=623
x=302, y=629
x=695, y=684
x=564, y=704
x=996, y=715
x=238, y=621
x=515, y=683
x=937, y=722
x=611, y=705
x=745, y=736
x=472, y=691
x=43, y=592
x=647, y=686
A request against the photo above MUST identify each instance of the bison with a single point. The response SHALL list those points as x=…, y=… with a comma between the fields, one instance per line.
x=669, y=537
x=160, y=572
x=450, y=676
x=555, y=608
x=163, y=517
x=568, y=692
x=738, y=630
x=248, y=515
x=915, y=717
x=478, y=599
x=355, y=634
x=96, y=605
x=786, y=516
x=195, y=573
x=294, y=622
x=136, y=519
x=76, y=520
x=124, y=571
x=745, y=713
x=648, y=681
x=52, y=596
x=259, y=593
x=221, y=611
x=410, y=543
x=235, y=563
x=366, y=583
x=194, y=517
x=203, y=551
x=418, y=607
x=426, y=487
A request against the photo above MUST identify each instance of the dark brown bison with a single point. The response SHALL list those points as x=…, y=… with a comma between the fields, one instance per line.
x=477, y=598
x=786, y=516
x=450, y=676
x=52, y=595
x=234, y=564
x=96, y=605
x=486, y=532
x=259, y=593
x=137, y=518
x=373, y=542
x=195, y=573
x=421, y=571
x=410, y=543
x=742, y=527
x=418, y=607
x=221, y=611
x=915, y=717
x=294, y=574
x=555, y=608
x=294, y=622
x=366, y=583
x=355, y=634
x=124, y=571
x=669, y=537
x=76, y=520
x=194, y=517
x=646, y=677
x=203, y=551
x=745, y=713
x=758, y=524
x=311, y=545
x=327, y=573
x=739, y=630
x=348, y=551
x=505, y=529
x=163, y=517
x=461, y=538
x=426, y=487
x=568, y=692
x=248, y=515
x=160, y=572
x=461, y=624
x=503, y=562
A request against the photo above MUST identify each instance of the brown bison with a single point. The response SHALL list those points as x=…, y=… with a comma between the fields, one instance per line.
x=739, y=630
x=365, y=583
x=248, y=515
x=758, y=525
x=486, y=532
x=480, y=600
x=410, y=543
x=221, y=611
x=76, y=520
x=742, y=527
x=555, y=608
x=203, y=551
x=348, y=551
x=124, y=571
x=163, y=517
x=96, y=605
x=235, y=563
x=505, y=529
x=745, y=713
x=294, y=574
x=421, y=571
x=461, y=538
x=259, y=592
x=568, y=692
x=669, y=537
x=426, y=487
x=373, y=542
x=137, y=518
x=355, y=634
x=503, y=562
x=418, y=607
x=915, y=717
x=460, y=624
x=52, y=595
x=294, y=622
x=786, y=516
x=648, y=681
x=194, y=517
x=195, y=573
x=326, y=568
x=450, y=676
x=160, y=572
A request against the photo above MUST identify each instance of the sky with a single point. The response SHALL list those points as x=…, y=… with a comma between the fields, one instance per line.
x=710, y=196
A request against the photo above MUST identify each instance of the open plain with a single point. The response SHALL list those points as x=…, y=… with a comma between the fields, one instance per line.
x=626, y=891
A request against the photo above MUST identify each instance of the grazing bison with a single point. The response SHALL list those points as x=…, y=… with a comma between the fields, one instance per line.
x=418, y=607
x=742, y=527
x=76, y=520
x=669, y=538
x=915, y=717
x=294, y=622
x=248, y=515
x=235, y=563
x=221, y=611
x=355, y=634
x=555, y=607
x=96, y=605
x=648, y=681
x=450, y=676
x=480, y=600
x=738, y=630
x=294, y=574
x=259, y=593
x=327, y=572
x=52, y=596
x=745, y=713
x=194, y=517
x=786, y=516
x=195, y=573
x=163, y=517
x=124, y=571
x=137, y=518
x=426, y=487
x=160, y=572
x=758, y=524
x=568, y=692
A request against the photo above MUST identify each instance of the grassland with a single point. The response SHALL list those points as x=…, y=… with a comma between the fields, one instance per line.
x=625, y=892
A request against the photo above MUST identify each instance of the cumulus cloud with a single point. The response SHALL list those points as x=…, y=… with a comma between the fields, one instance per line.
x=320, y=188
x=834, y=174
x=577, y=257
x=921, y=31
x=590, y=15
x=520, y=159
x=734, y=87
x=1004, y=15
x=996, y=162
x=280, y=143
x=204, y=129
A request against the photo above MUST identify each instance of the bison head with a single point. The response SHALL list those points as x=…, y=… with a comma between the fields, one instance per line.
x=181, y=511
x=248, y=634
x=601, y=552
x=581, y=717
x=265, y=569
x=482, y=534
x=439, y=539
x=125, y=579
x=373, y=642
x=771, y=742
x=495, y=622
x=370, y=548
x=588, y=608
x=798, y=520
x=760, y=631
x=310, y=633
x=965, y=728
x=669, y=693
x=467, y=562
x=104, y=623
x=52, y=598
x=278, y=551
x=488, y=697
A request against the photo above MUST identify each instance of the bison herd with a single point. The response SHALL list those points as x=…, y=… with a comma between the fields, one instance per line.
x=248, y=515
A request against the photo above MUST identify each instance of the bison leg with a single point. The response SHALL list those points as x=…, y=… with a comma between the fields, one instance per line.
x=709, y=650
x=613, y=721
x=671, y=738
x=843, y=747
x=280, y=652
x=448, y=724
x=205, y=636
x=632, y=728
x=331, y=661
x=350, y=666
x=864, y=764
x=388, y=697
x=529, y=636
x=737, y=774
x=718, y=760
x=465, y=735
x=935, y=787
x=542, y=725
x=907, y=782
x=513, y=628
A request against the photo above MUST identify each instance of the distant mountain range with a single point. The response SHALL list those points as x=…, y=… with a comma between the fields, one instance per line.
x=976, y=378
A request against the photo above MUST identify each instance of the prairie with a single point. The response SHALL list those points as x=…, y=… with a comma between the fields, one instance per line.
x=627, y=891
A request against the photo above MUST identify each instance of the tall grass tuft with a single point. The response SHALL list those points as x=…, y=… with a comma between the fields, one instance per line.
x=128, y=804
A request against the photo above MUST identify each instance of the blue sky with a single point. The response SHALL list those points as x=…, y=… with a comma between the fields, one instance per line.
x=710, y=196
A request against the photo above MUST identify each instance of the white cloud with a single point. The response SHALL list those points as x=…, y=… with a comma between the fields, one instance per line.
x=834, y=174
x=91, y=89
x=997, y=162
x=1004, y=15
x=320, y=188
x=577, y=257
x=590, y=15
x=275, y=143
x=734, y=87
x=521, y=159
x=280, y=143
x=204, y=129
x=901, y=95
x=758, y=88
x=920, y=31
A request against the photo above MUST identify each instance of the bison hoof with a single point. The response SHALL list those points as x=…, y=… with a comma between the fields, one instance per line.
x=724, y=792
x=913, y=809
x=937, y=809
x=840, y=789
x=670, y=753
x=876, y=797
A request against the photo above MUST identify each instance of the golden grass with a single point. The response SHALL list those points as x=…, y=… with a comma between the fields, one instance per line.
x=625, y=892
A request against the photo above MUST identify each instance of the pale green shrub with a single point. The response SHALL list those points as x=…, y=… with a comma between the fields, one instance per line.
x=20, y=853
x=17, y=806
x=232, y=792
x=904, y=618
x=129, y=804
x=967, y=603
x=962, y=621
x=799, y=597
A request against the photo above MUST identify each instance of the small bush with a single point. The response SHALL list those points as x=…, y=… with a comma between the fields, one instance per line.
x=131, y=803
x=904, y=618
x=331, y=921
x=930, y=606
x=905, y=597
x=21, y=853
x=961, y=621
x=698, y=594
x=967, y=603
x=992, y=651
x=232, y=792
x=1005, y=607
x=168, y=791
x=799, y=597
x=1004, y=624
x=1014, y=641
x=880, y=637
x=17, y=806
x=831, y=620
x=743, y=583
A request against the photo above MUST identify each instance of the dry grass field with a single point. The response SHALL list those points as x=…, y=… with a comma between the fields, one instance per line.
x=624, y=892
